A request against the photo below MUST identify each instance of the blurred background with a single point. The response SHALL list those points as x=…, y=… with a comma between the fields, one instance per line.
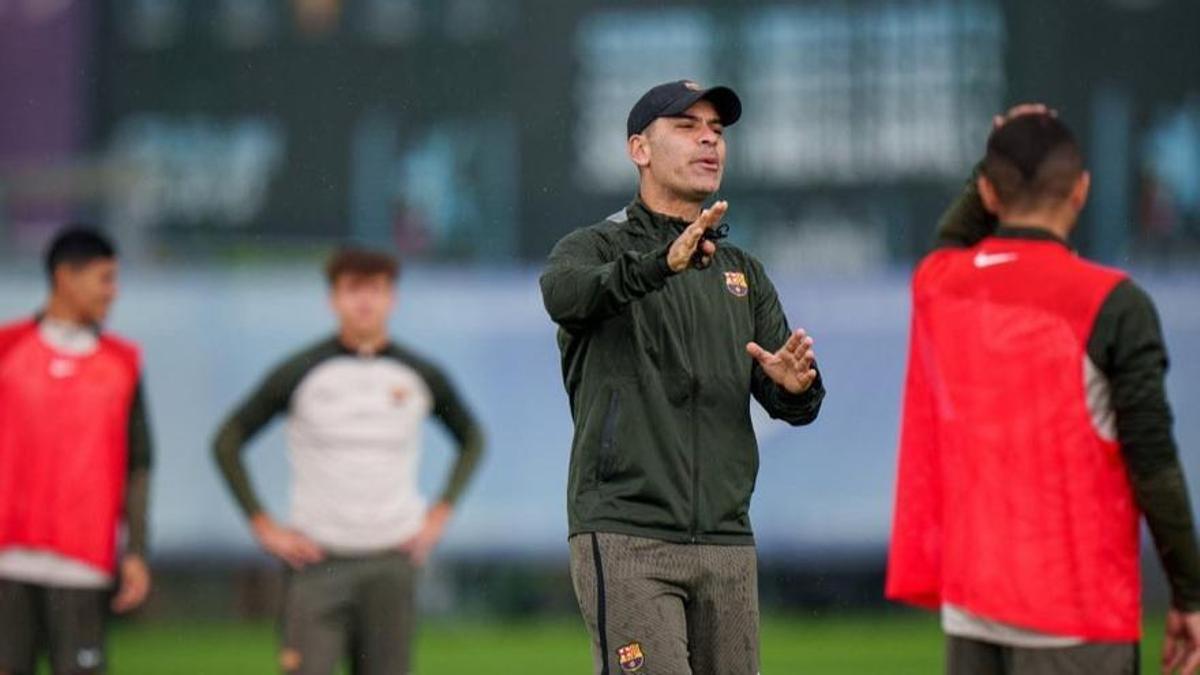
x=229, y=145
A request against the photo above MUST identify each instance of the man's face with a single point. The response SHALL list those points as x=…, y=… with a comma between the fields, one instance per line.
x=87, y=289
x=362, y=303
x=686, y=154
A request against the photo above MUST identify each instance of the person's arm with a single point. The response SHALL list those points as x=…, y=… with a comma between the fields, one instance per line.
x=583, y=284
x=450, y=409
x=251, y=416
x=784, y=379
x=270, y=399
x=453, y=413
x=966, y=222
x=1128, y=346
x=134, y=573
x=137, y=486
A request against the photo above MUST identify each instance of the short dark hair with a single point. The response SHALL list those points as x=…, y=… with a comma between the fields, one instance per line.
x=77, y=245
x=1033, y=160
x=360, y=262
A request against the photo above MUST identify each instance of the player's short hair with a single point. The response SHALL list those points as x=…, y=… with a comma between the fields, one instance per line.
x=360, y=262
x=77, y=245
x=1032, y=161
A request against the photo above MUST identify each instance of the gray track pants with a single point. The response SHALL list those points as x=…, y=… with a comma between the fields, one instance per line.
x=659, y=608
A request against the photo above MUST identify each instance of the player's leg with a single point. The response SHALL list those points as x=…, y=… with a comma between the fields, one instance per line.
x=722, y=616
x=74, y=621
x=385, y=616
x=18, y=621
x=316, y=618
x=1087, y=659
x=965, y=656
x=632, y=603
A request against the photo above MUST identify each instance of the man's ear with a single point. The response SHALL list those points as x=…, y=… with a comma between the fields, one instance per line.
x=1079, y=193
x=987, y=192
x=63, y=275
x=639, y=150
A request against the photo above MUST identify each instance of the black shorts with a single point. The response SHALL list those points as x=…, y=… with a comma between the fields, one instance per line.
x=68, y=623
x=965, y=656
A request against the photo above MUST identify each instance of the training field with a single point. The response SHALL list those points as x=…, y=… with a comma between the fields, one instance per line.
x=887, y=645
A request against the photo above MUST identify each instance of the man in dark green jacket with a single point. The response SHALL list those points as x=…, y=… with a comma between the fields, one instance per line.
x=665, y=336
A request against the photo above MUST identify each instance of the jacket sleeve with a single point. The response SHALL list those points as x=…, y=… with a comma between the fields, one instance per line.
x=581, y=285
x=137, y=484
x=914, y=552
x=449, y=408
x=254, y=413
x=1128, y=345
x=770, y=332
x=966, y=221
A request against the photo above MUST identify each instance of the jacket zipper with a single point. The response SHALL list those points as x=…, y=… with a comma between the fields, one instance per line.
x=695, y=422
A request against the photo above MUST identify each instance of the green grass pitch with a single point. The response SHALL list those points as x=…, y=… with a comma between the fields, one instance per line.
x=887, y=644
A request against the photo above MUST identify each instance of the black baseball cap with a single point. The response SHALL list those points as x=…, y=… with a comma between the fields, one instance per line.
x=672, y=98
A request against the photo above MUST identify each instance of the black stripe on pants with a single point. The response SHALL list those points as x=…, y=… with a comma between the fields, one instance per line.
x=601, y=626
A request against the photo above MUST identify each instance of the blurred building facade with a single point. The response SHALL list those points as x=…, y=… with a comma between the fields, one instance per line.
x=477, y=130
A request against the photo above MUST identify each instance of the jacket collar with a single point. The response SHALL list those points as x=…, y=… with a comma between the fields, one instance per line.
x=653, y=222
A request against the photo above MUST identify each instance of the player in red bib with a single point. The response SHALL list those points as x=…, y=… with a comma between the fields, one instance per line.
x=1036, y=432
x=74, y=464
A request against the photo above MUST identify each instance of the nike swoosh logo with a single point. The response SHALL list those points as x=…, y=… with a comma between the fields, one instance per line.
x=983, y=260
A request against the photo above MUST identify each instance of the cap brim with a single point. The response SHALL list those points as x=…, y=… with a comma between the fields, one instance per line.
x=727, y=103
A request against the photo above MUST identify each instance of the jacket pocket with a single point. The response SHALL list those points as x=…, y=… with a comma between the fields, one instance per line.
x=606, y=464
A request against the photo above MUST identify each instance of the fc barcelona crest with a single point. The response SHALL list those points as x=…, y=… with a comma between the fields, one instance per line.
x=630, y=657
x=735, y=282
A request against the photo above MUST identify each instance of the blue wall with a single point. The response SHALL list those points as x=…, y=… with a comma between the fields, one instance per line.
x=209, y=335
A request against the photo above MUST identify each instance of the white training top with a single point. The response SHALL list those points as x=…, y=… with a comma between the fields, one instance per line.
x=355, y=436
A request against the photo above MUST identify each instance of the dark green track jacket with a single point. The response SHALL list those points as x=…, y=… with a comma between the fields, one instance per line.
x=659, y=381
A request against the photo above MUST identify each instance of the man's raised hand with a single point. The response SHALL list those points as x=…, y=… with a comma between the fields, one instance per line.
x=792, y=366
x=679, y=256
